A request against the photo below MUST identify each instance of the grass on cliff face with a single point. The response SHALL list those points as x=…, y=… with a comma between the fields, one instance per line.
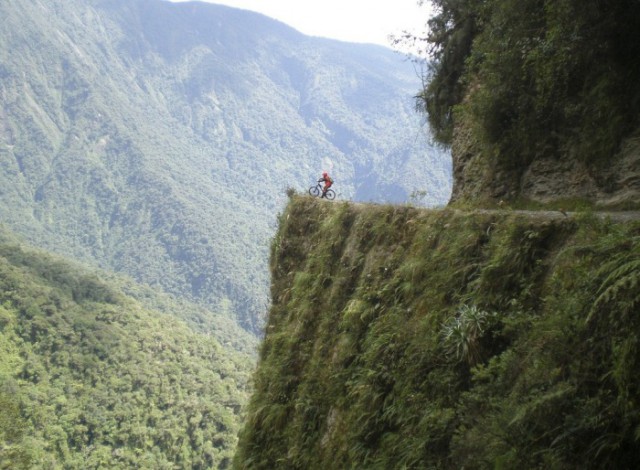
x=406, y=338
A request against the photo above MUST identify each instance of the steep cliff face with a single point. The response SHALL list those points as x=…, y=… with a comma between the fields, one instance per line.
x=407, y=338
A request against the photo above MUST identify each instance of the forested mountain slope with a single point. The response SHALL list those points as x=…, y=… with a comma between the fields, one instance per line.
x=410, y=338
x=90, y=378
x=157, y=139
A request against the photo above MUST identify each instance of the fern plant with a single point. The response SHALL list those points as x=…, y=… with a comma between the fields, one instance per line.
x=619, y=290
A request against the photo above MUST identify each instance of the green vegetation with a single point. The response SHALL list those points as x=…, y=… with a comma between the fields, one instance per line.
x=536, y=78
x=407, y=338
x=89, y=378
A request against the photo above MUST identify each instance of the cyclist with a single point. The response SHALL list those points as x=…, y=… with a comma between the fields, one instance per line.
x=327, y=182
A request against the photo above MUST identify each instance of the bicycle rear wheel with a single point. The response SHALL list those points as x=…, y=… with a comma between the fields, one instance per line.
x=314, y=191
x=330, y=194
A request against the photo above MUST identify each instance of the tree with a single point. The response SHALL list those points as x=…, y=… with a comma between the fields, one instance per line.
x=452, y=30
x=540, y=78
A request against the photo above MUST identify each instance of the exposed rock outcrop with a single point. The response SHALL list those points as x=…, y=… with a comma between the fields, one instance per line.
x=480, y=178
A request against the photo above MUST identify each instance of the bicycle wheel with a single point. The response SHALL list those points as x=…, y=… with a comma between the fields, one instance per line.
x=330, y=194
x=314, y=191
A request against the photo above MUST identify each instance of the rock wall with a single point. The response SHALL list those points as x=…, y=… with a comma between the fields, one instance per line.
x=479, y=179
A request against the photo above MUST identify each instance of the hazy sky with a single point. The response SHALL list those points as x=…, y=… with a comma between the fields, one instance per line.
x=348, y=20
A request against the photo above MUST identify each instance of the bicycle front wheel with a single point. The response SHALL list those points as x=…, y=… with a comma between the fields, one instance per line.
x=330, y=194
x=314, y=191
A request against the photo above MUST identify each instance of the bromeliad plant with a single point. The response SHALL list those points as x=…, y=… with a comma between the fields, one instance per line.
x=461, y=334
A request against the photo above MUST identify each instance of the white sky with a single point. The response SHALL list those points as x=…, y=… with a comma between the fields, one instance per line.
x=370, y=21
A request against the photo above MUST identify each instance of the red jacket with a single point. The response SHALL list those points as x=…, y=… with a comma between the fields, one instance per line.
x=327, y=180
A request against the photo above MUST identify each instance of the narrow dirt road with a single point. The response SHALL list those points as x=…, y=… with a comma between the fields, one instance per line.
x=615, y=216
x=625, y=216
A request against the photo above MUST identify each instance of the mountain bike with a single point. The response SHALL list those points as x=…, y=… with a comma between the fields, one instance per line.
x=316, y=191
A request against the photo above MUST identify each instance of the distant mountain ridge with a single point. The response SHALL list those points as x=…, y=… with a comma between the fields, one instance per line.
x=157, y=139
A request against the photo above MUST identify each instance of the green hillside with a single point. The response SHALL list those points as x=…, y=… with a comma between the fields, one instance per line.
x=157, y=139
x=90, y=378
x=408, y=338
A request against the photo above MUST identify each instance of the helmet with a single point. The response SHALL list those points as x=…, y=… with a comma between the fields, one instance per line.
x=324, y=173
